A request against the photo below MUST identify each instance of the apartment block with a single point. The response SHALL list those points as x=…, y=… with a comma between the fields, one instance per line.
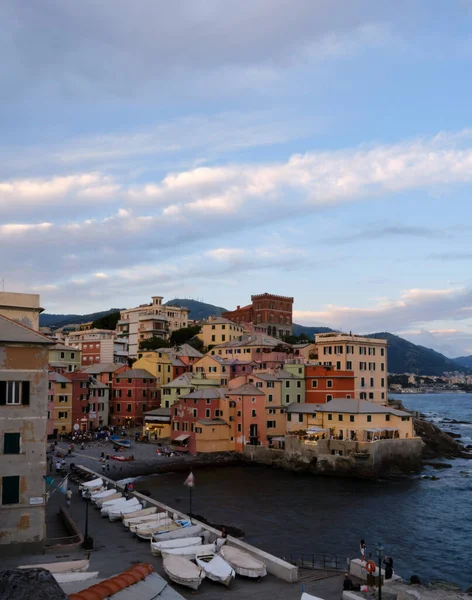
x=23, y=308
x=269, y=311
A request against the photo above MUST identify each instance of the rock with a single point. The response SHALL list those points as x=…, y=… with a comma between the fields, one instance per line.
x=453, y=435
x=24, y=584
x=415, y=580
x=437, y=465
x=437, y=444
x=469, y=591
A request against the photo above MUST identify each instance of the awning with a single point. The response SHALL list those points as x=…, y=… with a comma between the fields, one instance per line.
x=277, y=439
x=181, y=438
x=315, y=429
x=163, y=419
x=390, y=429
x=374, y=430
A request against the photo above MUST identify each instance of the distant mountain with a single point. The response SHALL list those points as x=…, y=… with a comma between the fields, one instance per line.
x=464, y=361
x=198, y=310
x=309, y=331
x=406, y=357
x=47, y=320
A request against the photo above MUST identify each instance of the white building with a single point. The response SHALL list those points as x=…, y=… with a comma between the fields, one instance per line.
x=148, y=320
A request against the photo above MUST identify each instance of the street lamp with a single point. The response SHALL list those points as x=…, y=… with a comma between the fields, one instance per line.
x=380, y=550
x=88, y=541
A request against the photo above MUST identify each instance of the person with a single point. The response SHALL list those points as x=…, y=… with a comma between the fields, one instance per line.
x=224, y=533
x=82, y=446
x=130, y=487
x=347, y=583
x=363, y=551
x=58, y=466
x=388, y=562
x=68, y=496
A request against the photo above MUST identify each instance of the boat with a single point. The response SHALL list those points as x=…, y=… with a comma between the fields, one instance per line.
x=127, y=521
x=215, y=567
x=155, y=521
x=115, y=439
x=70, y=566
x=177, y=534
x=158, y=547
x=190, y=551
x=306, y=596
x=182, y=571
x=75, y=576
x=143, y=512
x=100, y=501
x=243, y=563
x=147, y=533
x=122, y=458
x=118, y=506
x=117, y=514
x=87, y=493
x=103, y=494
x=90, y=485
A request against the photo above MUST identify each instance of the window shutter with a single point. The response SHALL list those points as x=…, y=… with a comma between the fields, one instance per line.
x=10, y=490
x=25, y=393
x=3, y=393
x=11, y=444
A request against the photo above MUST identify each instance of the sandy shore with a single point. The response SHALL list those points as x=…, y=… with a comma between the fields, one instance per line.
x=146, y=460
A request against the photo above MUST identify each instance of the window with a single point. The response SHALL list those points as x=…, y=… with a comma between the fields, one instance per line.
x=300, y=418
x=363, y=395
x=362, y=382
x=351, y=418
x=289, y=417
x=340, y=417
x=14, y=392
x=382, y=395
x=349, y=365
x=382, y=351
x=369, y=418
x=314, y=384
x=270, y=397
x=371, y=366
x=330, y=417
x=62, y=354
x=371, y=382
x=11, y=443
x=62, y=415
x=387, y=417
x=185, y=426
x=176, y=426
x=371, y=395
x=223, y=338
x=362, y=366
x=329, y=397
x=270, y=384
x=299, y=384
x=128, y=408
x=338, y=365
x=253, y=413
x=118, y=408
x=208, y=413
x=287, y=398
x=213, y=338
x=299, y=398
x=329, y=383
x=11, y=490
x=129, y=393
x=144, y=393
x=382, y=382
x=271, y=424
x=83, y=384
x=218, y=413
x=239, y=413
x=72, y=355
x=253, y=400
x=382, y=366
x=239, y=427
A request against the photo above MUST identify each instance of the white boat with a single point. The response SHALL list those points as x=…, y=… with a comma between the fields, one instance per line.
x=73, y=577
x=190, y=551
x=182, y=532
x=103, y=494
x=306, y=596
x=117, y=514
x=243, y=563
x=148, y=533
x=215, y=567
x=156, y=518
x=143, y=512
x=90, y=485
x=135, y=521
x=87, y=493
x=158, y=547
x=116, y=504
x=100, y=501
x=182, y=571
x=151, y=524
x=70, y=566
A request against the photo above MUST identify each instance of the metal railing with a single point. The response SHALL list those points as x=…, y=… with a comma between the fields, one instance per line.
x=320, y=561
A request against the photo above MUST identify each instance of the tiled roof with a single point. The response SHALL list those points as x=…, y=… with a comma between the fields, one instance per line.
x=253, y=339
x=102, y=368
x=221, y=321
x=247, y=389
x=305, y=408
x=109, y=587
x=206, y=393
x=13, y=331
x=135, y=374
x=158, y=412
x=180, y=381
x=345, y=405
x=58, y=378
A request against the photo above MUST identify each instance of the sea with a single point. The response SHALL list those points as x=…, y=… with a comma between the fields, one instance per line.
x=425, y=525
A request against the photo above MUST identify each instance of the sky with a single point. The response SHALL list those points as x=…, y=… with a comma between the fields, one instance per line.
x=212, y=150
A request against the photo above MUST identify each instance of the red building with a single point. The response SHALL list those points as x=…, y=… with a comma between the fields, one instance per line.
x=268, y=311
x=134, y=393
x=80, y=400
x=250, y=420
x=323, y=384
x=202, y=404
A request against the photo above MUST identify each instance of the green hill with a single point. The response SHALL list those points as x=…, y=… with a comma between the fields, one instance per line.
x=198, y=310
x=464, y=361
x=49, y=320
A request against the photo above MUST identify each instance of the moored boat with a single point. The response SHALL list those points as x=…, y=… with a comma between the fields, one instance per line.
x=243, y=563
x=106, y=506
x=182, y=571
x=158, y=547
x=182, y=532
x=127, y=522
x=103, y=494
x=93, y=484
x=115, y=439
x=99, y=502
x=116, y=514
x=190, y=551
x=156, y=521
x=70, y=566
x=215, y=567
x=147, y=533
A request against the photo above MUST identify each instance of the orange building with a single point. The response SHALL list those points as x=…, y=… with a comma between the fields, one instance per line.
x=249, y=426
x=269, y=312
x=323, y=384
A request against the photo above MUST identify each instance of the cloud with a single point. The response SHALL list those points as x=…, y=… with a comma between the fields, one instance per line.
x=450, y=342
x=379, y=232
x=414, y=307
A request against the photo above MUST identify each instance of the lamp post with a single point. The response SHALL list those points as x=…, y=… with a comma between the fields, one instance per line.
x=380, y=550
x=88, y=541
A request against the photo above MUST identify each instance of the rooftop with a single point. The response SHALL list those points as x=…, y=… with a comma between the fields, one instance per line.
x=183, y=380
x=64, y=347
x=345, y=405
x=135, y=374
x=247, y=389
x=206, y=393
x=58, y=378
x=13, y=331
x=253, y=339
x=102, y=368
x=212, y=422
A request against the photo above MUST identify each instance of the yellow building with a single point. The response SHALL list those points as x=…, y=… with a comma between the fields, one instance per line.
x=182, y=385
x=213, y=367
x=161, y=363
x=305, y=350
x=60, y=394
x=156, y=424
x=355, y=420
x=213, y=435
x=219, y=331
x=367, y=357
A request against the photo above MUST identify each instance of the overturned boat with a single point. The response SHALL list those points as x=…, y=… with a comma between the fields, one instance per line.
x=243, y=563
x=215, y=567
x=158, y=547
x=182, y=571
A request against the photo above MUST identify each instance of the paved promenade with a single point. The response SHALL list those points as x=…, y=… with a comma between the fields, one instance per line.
x=115, y=550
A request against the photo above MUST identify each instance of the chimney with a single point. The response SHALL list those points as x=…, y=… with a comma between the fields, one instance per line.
x=238, y=307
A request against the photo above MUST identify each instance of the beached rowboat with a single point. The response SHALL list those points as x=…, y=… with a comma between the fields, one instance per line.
x=99, y=502
x=70, y=566
x=158, y=547
x=122, y=458
x=116, y=514
x=190, y=551
x=103, y=494
x=183, y=571
x=181, y=532
x=243, y=563
x=215, y=567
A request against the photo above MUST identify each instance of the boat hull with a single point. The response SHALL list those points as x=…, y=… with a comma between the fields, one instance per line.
x=158, y=547
x=182, y=571
x=71, y=566
x=183, y=532
x=243, y=563
x=215, y=568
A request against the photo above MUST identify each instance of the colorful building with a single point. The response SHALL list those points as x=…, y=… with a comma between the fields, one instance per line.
x=104, y=372
x=367, y=357
x=164, y=364
x=157, y=425
x=80, y=384
x=324, y=384
x=60, y=394
x=213, y=367
x=218, y=331
x=183, y=385
x=268, y=311
x=96, y=345
x=249, y=426
x=263, y=349
x=64, y=359
x=134, y=394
